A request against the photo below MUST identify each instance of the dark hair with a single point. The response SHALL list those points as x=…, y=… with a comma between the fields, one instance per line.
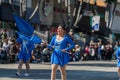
x=64, y=28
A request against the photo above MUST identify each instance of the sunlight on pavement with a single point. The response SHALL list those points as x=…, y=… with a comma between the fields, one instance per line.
x=23, y=79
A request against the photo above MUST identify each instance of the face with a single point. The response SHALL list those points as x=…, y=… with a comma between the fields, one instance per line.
x=60, y=30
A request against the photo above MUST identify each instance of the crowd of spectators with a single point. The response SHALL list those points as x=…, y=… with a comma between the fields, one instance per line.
x=94, y=51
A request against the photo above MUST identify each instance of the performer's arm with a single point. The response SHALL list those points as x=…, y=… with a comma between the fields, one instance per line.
x=117, y=53
x=30, y=46
x=50, y=46
x=70, y=41
x=19, y=40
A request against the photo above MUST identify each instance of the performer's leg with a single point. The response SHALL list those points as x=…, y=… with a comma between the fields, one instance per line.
x=27, y=66
x=53, y=72
x=19, y=67
x=63, y=72
x=119, y=71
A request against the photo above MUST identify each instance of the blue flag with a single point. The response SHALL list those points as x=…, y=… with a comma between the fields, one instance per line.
x=33, y=38
x=23, y=25
x=36, y=39
x=23, y=36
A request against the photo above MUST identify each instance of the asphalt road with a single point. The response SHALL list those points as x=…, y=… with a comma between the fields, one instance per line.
x=84, y=70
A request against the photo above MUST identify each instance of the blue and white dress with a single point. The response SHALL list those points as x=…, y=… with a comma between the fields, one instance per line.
x=27, y=45
x=118, y=56
x=26, y=49
x=58, y=57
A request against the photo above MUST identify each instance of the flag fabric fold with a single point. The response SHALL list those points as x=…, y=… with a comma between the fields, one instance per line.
x=26, y=30
x=35, y=39
x=23, y=25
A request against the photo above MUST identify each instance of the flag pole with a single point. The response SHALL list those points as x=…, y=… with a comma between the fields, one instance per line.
x=35, y=10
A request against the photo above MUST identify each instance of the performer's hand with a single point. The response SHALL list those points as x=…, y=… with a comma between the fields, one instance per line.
x=118, y=58
x=64, y=50
x=51, y=46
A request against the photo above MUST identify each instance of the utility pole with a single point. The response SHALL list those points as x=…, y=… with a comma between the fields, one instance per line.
x=69, y=13
x=23, y=6
x=0, y=2
x=67, y=4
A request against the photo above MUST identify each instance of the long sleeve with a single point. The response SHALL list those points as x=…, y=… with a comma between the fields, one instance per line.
x=118, y=52
x=30, y=46
x=19, y=40
x=70, y=41
x=52, y=42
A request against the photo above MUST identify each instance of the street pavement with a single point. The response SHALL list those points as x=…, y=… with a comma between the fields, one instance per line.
x=83, y=70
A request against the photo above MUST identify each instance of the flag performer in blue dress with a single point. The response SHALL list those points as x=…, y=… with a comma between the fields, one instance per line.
x=118, y=58
x=61, y=45
x=27, y=40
